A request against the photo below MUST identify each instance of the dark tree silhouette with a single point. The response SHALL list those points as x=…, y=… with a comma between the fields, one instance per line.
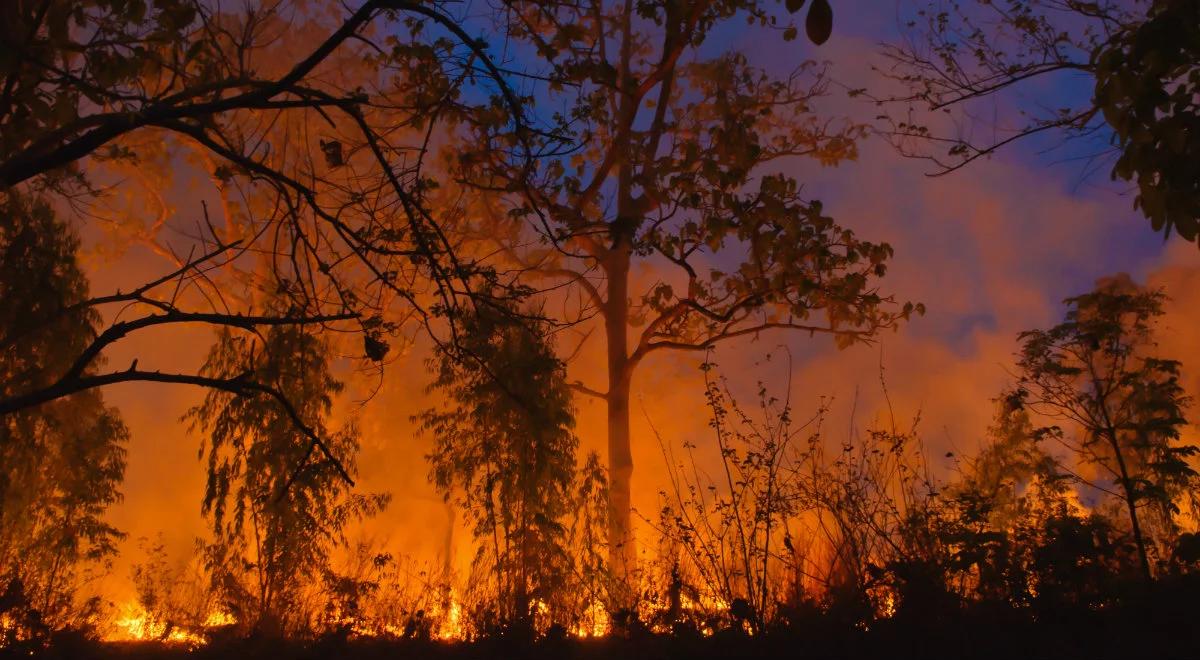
x=343, y=211
x=504, y=447
x=277, y=511
x=678, y=148
x=61, y=465
x=1098, y=370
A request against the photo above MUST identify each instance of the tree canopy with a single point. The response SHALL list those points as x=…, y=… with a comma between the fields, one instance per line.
x=680, y=165
x=1138, y=60
x=1098, y=370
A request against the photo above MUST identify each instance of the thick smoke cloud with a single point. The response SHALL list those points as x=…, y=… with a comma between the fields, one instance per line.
x=991, y=250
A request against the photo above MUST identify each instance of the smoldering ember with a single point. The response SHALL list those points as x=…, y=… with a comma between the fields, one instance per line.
x=599, y=329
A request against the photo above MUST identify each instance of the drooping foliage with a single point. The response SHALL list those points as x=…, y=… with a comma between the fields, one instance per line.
x=277, y=507
x=504, y=448
x=62, y=463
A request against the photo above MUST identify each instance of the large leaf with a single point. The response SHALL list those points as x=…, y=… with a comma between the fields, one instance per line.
x=819, y=24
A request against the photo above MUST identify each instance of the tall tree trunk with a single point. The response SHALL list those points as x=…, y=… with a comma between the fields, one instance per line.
x=1131, y=502
x=622, y=550
x=622, y=230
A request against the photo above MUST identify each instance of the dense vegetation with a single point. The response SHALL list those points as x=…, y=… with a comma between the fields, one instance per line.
x=381, y=186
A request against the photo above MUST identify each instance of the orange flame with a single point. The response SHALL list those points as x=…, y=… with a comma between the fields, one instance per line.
x=134, y=624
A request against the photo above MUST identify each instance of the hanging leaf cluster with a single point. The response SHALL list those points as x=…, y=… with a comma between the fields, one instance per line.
x=818, y=24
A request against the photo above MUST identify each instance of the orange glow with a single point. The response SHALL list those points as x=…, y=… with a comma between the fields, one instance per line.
x=452, y=627
x=402, y=553
x=594, y=623
x=887, y=605
x=132, y=623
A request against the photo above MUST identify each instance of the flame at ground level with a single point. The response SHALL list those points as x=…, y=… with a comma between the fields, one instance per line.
x=134, y=624
x=452, y=627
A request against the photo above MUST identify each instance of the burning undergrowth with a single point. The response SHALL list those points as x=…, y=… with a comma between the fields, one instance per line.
x=769, y=532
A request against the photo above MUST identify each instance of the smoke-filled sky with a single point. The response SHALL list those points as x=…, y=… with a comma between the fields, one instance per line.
x=991, y=250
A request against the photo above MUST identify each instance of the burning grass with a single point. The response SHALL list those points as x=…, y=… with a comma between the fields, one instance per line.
x=1145, y=625
x=134, y=623
x=778, y=540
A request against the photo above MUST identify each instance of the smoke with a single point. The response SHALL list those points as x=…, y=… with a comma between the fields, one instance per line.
x=991, y=251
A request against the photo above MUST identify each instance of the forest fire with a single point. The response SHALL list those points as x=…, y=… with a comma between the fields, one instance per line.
x=379, y=328
x=594, y=623
x=452, y=626
x=134, y=624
